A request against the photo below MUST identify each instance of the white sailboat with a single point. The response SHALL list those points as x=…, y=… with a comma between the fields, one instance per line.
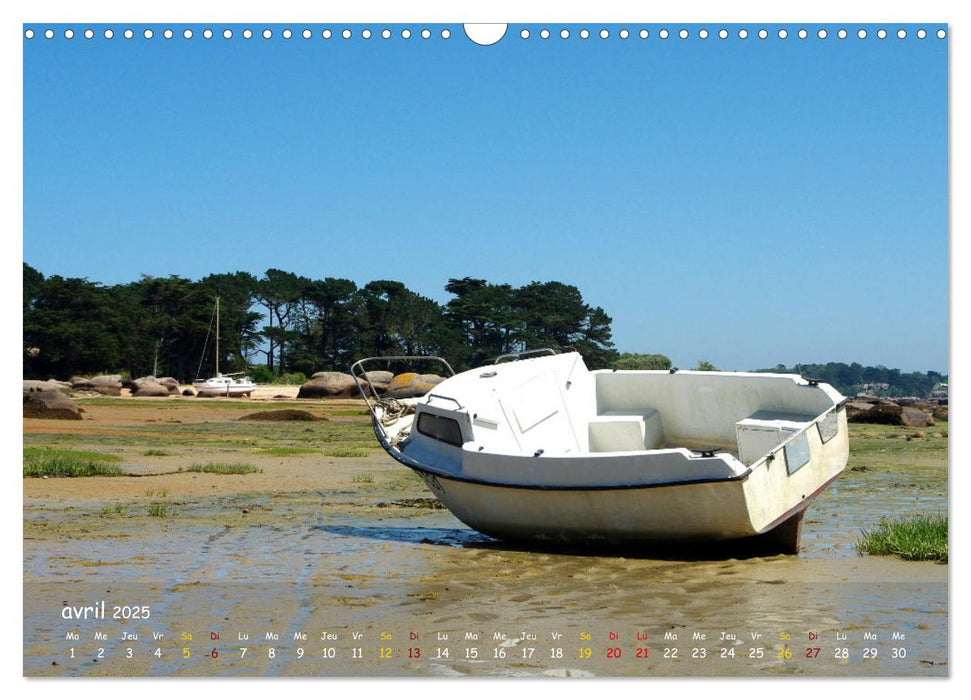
x=235, y=384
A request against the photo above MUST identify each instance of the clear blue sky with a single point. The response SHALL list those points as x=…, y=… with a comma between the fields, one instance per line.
x=748, y=202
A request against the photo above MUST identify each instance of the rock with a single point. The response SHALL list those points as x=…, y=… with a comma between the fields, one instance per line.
x=170, y=383
x=147, y=387
x=892, y=414
x=379, y=376
x=410, y=385
x=887, y=414
x=329, y=385
x=403, y=385
x=107, y=379
x=33, y=385
x=855, y=408
x=940, y=413
x=285, y=414
x=377, y=380
x=81, y=383
x=915, y=418
x=107, y=389
x=106, y=384
x=188, y=392
x=50, y=404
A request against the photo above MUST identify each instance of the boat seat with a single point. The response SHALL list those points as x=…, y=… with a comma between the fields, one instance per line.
x=622, y=431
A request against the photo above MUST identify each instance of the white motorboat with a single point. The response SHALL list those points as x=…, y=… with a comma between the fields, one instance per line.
x=542, y=449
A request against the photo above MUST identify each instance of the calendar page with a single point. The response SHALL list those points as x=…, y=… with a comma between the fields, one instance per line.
x=684, y=287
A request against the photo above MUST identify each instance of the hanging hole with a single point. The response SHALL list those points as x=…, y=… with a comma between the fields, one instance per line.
x=485, y=34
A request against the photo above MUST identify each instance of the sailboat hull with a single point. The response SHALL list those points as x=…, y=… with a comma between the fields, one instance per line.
x=224, y=386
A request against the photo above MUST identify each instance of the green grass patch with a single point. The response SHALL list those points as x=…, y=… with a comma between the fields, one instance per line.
x=128, y=403
x=159, y=510
x=362, y=479
x=344, y=452
x=40, y=462
x=233, y=434
x=287, y=451
x=156, y=453
x=217, y=468
x=33, y=453
x=115, y=509
x=888, y=447
x=916, y=538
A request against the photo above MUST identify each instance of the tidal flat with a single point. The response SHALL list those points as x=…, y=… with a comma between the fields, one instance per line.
x=325, y=557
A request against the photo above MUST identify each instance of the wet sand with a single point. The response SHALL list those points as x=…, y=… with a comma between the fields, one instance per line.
x=355, y=554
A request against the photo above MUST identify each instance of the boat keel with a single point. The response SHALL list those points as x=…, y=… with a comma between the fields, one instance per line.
x=786, y=538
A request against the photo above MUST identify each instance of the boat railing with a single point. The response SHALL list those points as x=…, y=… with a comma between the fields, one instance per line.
x=366, y=387
x=524, y=354
x=445, y=398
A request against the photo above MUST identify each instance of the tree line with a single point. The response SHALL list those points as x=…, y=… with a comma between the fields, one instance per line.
x=851, y=379
x=283, y=323
x=287, y=323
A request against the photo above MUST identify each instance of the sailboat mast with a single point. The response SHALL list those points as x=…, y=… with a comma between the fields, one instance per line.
x=217, y=335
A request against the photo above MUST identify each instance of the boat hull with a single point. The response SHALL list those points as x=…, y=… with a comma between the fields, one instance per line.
x=678, y=513
x=220, y=387
x=764, y=500
x=223, y=392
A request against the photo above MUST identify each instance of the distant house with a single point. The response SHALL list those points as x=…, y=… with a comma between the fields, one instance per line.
x=939, y=391
x=874, y=387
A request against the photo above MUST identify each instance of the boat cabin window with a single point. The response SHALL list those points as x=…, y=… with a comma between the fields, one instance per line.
x=445, y=429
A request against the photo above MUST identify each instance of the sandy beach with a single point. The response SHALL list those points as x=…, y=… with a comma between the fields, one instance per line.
x=331, y=559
